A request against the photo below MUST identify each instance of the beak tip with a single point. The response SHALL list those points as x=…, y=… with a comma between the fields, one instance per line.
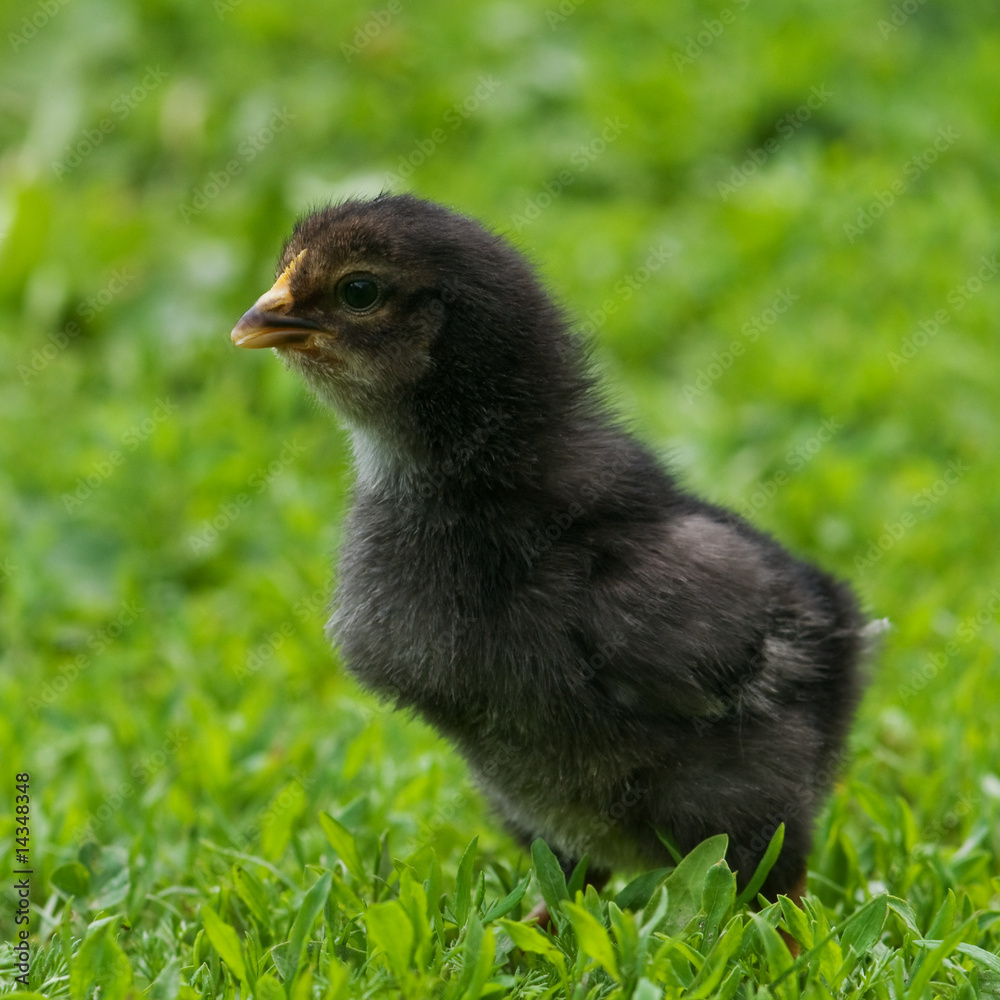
x=243, y=331
x=256, y=327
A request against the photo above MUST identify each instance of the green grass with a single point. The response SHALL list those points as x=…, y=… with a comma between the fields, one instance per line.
x=170, y=507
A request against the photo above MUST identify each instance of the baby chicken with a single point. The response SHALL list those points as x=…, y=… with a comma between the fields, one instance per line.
x=612, y=655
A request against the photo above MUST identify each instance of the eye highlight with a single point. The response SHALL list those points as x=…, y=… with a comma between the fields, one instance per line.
x=359, y=292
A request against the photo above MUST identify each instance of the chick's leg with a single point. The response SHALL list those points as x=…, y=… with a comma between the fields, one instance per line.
x=598, y=879
x=786, y=878
x=795, y=894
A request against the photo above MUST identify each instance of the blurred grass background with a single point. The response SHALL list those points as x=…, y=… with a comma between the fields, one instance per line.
x=169, y=507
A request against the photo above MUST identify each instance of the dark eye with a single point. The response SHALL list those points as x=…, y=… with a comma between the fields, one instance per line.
x=359, y=293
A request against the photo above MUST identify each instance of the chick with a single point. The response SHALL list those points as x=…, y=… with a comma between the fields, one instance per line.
x=612, y=655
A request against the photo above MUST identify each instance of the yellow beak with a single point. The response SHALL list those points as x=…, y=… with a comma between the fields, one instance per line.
x=268, y=322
